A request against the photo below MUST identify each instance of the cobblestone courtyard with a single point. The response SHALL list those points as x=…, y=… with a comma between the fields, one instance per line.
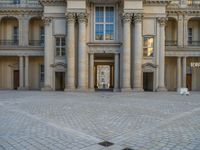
x=36, y=120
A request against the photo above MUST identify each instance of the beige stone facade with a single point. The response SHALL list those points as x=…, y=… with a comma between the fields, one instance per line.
x=143, y=45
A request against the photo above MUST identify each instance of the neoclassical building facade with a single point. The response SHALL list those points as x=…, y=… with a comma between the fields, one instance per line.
x=88, y=45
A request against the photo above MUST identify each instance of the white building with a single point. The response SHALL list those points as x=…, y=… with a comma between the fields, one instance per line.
x=81, y=45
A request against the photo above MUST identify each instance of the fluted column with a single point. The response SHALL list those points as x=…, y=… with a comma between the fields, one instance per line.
x=91, y=71
x=161, y=83
x=82, y=52
x=48, y=54
x=70, y=52
x=185, y=25
x=178, y=77
x=180, y=30
x=138, y=52
x=116, y=76
x=21, y=73
x=27, y=72
x=184, y=72
x=126, y=53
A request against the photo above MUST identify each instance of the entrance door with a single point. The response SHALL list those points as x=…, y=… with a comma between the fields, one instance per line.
x=60, y=81
x=148, y=81
x=189, y=82
x=16, y=79
x=103, y=76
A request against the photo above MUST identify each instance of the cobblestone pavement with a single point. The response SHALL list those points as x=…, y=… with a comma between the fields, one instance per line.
x=33, y=120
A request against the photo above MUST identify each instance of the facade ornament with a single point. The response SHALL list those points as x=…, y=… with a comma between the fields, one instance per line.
x=127, y=17
x=162, y=21
x=70, y=16
x=82, y=17
x=138, y=17
x=47, y=20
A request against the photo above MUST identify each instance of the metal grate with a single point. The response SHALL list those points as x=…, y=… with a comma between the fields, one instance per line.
x=105, y=143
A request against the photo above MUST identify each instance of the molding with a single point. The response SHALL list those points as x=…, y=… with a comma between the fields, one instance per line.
x=157, y=2
x=53, y=2
x=21, y=53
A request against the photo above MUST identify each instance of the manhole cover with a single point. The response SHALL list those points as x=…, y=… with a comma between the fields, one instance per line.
x=105, y=143
x=127, y=148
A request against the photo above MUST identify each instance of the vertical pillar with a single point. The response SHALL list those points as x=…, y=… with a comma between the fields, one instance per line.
x=91, y=71
x=70, y=52
x=161, y=83
x=116, y=73
x=138, y=51
x=180, y=30
x=23, y=30
x=21, y=73
x=27, y=72
x=82, y=52
x=48, y=54
x=185, y=34
x=126, y=53
x=178, y=77
x=184, y=72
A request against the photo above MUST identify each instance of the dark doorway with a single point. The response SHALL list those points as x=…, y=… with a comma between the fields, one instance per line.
x=189, y=82
x=60, y=81
x=148, y=81
x=16, y=79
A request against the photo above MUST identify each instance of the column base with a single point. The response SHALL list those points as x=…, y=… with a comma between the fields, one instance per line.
x=47, y=88
x=91, y=89
x=22, y=88
x=161, y=89
x=70, y=90
x=138, y=89
x=126, y=90
x=116, y=90
x=82, y=89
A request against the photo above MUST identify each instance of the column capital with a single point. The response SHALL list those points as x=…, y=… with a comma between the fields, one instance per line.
x=162, y=21
x=127, y=17
x=82, y=17
x=138, y=17
x=71, y=17
x=47, y=20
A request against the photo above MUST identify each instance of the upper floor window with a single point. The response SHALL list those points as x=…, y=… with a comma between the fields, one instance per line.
x=60, y=46
x=190, y=35
x=42, y=36
x=15, y=35
x=104, y=23
x=16, y=1
x=148, y=46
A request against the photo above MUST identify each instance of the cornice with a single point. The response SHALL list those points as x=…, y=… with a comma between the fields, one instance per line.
x=156, y=2
x=53, y=2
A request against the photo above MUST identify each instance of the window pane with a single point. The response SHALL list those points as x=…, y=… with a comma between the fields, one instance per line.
x=148, y=46
x=99, y=32
x=99, y=14
x=109, y=32
x=57, y=51
x=109, y=14
x=63, y=51
x=57, y=41
x=63, y=42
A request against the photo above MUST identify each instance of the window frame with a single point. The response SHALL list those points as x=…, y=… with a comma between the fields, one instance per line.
x=42, y=35
x=153, y=53
x=60, y=46
x=41, y=73
x=190, y=36
x=105, y=23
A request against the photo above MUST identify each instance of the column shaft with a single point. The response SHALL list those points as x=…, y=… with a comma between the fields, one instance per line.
x=137, y=78
x=185, y=36
x=184, y=73
x=126, y=53
x=178, y=77
x=91, y=71
x=26, y=72
x=23, y=31
x=21, y=72
x=180, y=31
x=82, y=53
x=116, y=74
x=70, y=73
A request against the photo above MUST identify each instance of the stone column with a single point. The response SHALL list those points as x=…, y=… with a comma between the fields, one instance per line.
x=126, y=53
x=91, y=71
x=178, y=77
x=185, y=34
x=184, y=72
x=21, y=73
x=27, y=72
x=23, y=30
x=138, y=53
x=82, y=52
x=70, y=52
x=161, y=83
x=116, y=74
x=47, y=54
x=180, y=30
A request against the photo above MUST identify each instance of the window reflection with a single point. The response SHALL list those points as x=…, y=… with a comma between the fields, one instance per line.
x=148, y=46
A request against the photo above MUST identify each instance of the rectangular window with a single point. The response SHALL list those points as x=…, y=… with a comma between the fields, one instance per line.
x=148, y=46
x=60, y=46
x=15, y=35
x=41, y=36
x=16, y=1
x=104, y=23
x=41, y=73
x=189, y=35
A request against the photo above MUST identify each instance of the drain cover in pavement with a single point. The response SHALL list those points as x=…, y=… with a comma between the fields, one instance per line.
x=127, y=149
x=105, y=143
